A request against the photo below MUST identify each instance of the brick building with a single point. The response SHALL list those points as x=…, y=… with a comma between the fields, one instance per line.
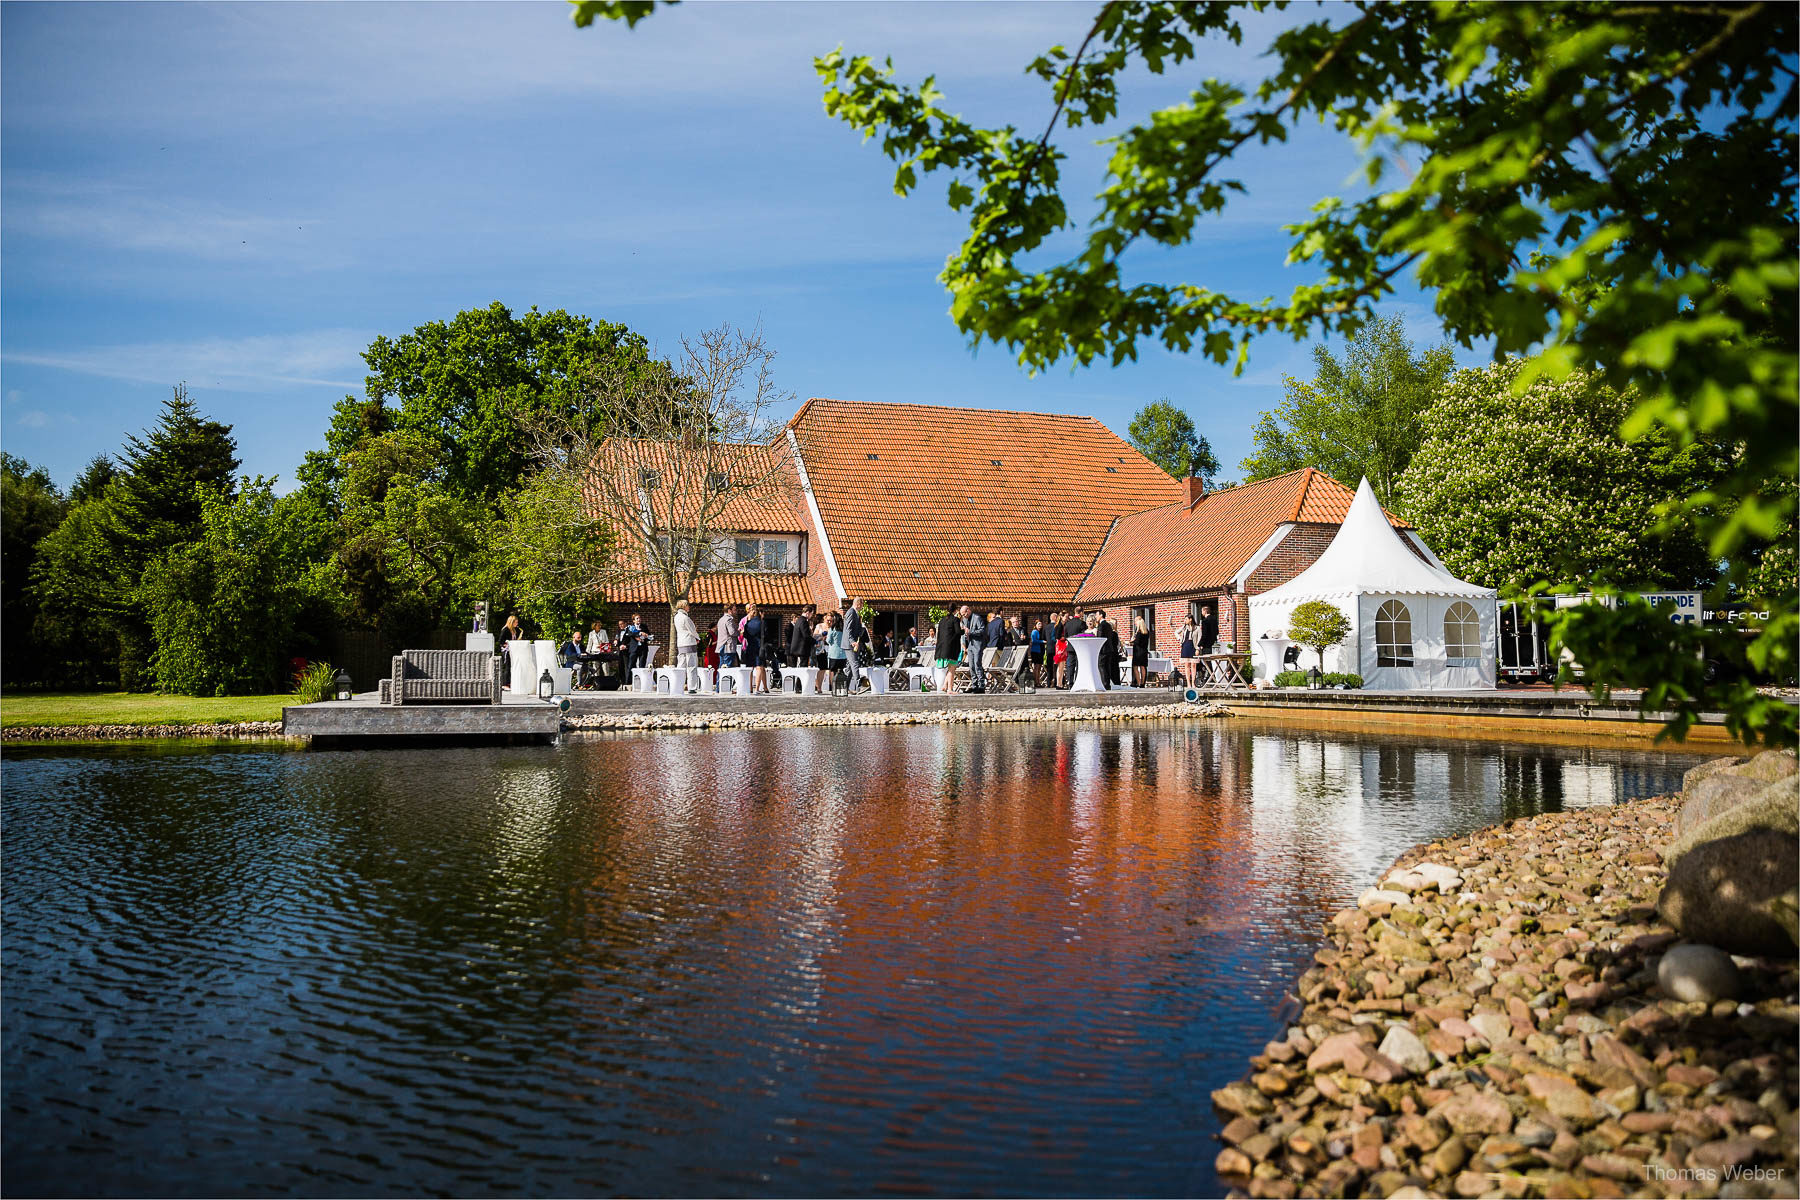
x=1208, y=553
x=915, y=506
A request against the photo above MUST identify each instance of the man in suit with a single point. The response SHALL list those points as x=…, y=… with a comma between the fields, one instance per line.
x=974, y=630
x=1109, y=654
x=996, y=633
x=1072, y=628
x=800, y=640
x=854, y=635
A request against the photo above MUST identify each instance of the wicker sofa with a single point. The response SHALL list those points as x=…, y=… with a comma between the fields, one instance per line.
x=419, y=676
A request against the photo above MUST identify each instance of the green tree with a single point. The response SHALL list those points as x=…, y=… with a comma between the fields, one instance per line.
x=1318, y=624
x=88, y=571
x=1510, y=489
x=30, y=508
x=225, y=608
x=546, y=554
x=165, y=475
x=407, y=540
x=466, y=383
x=1359, y=415
x=94, y=479
x=1168, y=438
x=1549, y=173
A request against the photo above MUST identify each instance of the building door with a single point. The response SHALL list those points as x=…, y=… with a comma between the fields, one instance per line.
x=1206, y=616
x=1147, y=614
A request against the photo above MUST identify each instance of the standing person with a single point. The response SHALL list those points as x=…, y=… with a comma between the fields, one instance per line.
x=854, y=635
x=1109, y=653
x=597, y=641
x=773, y=650
x=821, y=653
x=640, y=641
x=1074, y=626
x=509, y=633
x=837, y=651
x=727, y=635
x=1140, y=653
x=1188, y=649
x=974, y=630
x=750, y=637
x=1034, y=653
x=949, y=649
x=687, y=639
x=799, y=641
x=996, y=634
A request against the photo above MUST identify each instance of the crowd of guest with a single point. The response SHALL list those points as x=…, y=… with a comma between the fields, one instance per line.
x=835, y=643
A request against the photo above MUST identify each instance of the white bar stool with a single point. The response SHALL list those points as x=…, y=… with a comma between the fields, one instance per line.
x=703, y=680
x=737, y=677
x=671, y=681
x=643, y=679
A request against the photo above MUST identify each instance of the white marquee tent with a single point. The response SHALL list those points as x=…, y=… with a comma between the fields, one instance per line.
x=1413, y=625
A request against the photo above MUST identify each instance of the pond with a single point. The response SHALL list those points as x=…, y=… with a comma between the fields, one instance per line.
x=1007, y=960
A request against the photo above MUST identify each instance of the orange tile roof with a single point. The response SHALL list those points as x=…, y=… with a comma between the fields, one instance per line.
x=924, y=502
x=727, y=587
x=768, y=506
x=1171, y=550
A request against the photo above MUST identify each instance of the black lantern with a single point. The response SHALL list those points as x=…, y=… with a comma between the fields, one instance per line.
x=1314, y=680
x=342, y=687
x=546, y=685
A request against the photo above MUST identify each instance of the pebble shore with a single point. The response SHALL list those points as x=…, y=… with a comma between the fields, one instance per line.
x=1506, y=1036
x=930, y=716
x=115, y=733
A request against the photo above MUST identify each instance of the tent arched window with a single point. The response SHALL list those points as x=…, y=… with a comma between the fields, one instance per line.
x=1462, y=635
x=1393, y=635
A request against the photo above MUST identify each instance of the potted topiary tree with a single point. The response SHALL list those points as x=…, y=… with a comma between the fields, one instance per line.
x=1318, y=624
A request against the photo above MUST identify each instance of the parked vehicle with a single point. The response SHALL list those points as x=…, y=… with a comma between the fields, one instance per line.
x=1524, y=652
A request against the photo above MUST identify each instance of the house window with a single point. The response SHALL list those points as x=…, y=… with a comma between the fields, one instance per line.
x=746, y=549
x=1462, y=636
x=1393, y=635
x=649, y=479
x=718, y=481
x=774, y=554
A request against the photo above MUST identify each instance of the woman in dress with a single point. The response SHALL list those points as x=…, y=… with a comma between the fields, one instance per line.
x=510, y=632
x=1140, y=653
x=1187, y=653
x=750, y=648
x=770, y=662
x=821, y=660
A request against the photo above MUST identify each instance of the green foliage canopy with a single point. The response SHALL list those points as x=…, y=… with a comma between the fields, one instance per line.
x=1359, y=415
x=466, y=384
x=1513, y=488
x=30, y=508
x=224, y=607
x=1168, y=438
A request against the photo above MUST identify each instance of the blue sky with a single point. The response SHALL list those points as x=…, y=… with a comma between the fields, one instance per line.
x=242, y=196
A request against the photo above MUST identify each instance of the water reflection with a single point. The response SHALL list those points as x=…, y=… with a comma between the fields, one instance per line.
x=1011, y=960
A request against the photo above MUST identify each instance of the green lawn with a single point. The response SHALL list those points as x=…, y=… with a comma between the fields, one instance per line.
x=132, y=708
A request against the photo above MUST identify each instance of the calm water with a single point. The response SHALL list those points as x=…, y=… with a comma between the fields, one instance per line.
x=1003, y=960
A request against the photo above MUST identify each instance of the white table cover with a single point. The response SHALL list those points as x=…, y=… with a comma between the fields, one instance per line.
x=1087, y=663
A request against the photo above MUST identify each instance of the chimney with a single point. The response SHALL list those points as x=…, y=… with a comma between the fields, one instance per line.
x=1195, y=488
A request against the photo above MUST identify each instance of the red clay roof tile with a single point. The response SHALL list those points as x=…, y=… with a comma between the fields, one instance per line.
x=924, y=502
x=1172, y=550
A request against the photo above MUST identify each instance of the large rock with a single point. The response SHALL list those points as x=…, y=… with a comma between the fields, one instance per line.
x=1773, y=805
x=1713, y=796
x=1734, y=882
x=1710, y=767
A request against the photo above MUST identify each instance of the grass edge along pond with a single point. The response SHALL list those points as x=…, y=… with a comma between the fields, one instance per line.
x=135, y=708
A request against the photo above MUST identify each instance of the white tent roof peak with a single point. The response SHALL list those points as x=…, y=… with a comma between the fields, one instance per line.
x=1367, y=556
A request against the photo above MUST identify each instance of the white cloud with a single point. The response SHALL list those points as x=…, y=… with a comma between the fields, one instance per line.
x=318, y=358
x=33, y=418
